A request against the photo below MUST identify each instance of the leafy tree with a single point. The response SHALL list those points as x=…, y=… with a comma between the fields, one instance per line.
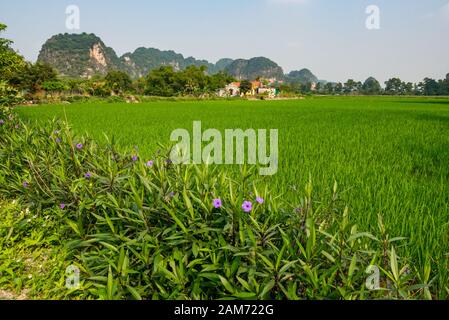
x=371, y=86
x=33, y=76
x=8, y=96
x=352, y=87
x=118, y=81
x=407, y=88
x=431, y=87
x=219, y=80
x=394, y=86
x=338, y=89
x=10, y=61
x=163, y=82
x=245, y=86
x=139, y=85
x=444, y=87
x=54, y=86
x=329, y=88
x=194, y=80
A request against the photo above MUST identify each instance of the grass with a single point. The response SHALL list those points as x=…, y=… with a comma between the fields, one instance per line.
x=390, y=155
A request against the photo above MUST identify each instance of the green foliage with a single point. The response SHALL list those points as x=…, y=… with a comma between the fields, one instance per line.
x=395, y=86
x=54, y=86
x=371, y=86
x=151, y=232
x=10, y=61
x=352, y=87
x=431, y=87
x=163, y=82
x=118, y=81
x=32, y=258
x=33, y=77
x=194, y=81
x=8, y=96
x=245, y=86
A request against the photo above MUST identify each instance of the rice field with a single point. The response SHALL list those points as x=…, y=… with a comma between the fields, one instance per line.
x=389, y=155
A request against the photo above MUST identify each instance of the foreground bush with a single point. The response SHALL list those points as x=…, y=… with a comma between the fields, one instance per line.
x=146, y=229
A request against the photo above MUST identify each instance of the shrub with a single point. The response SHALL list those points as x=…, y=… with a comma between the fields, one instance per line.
x=8, y=96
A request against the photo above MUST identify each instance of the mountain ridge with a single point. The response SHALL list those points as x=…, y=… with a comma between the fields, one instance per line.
x=86, y=55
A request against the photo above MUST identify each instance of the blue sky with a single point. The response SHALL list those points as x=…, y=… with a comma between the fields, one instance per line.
x=327, y=36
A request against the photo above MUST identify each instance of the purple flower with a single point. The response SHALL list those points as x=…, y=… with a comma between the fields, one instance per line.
x=168, y=161
x=2, y=122
x=62, y=206
x=17, y=126
x=217, y=203
x=150, y=163
x=25, y=184
x=247, y=206
x=259, y=200
x=171, y=194
x=79, y=146
x=88, y=175
x=135, y=158
x=58, y=140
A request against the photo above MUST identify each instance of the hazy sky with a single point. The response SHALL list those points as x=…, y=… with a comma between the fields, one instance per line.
x=327, y=36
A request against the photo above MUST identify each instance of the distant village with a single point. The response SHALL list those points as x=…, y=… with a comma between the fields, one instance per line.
x=261, y=87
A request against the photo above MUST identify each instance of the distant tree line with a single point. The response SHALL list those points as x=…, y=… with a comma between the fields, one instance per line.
x=394, y=86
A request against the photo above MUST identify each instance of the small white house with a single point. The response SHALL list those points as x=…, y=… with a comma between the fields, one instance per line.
x=231, y=90
x=270, y=92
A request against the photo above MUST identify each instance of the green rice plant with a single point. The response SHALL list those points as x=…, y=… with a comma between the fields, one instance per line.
x=139, y=227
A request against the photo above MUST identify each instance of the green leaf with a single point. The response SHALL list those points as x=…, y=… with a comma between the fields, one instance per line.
x=110, y=284
x=280, y=256
x=226, y=284
x=328, y=256
x=266, y=261
x=352, y=266
x=174, y=217
x=267, y=289
x=134, y=293
x=245, y=295
x=394, y=264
